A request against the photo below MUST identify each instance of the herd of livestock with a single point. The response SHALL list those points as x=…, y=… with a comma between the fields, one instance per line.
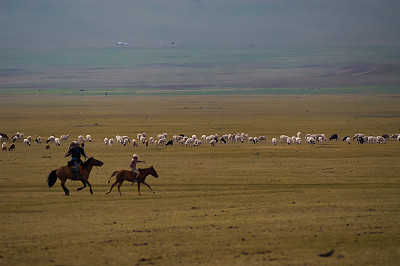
x=162, y=139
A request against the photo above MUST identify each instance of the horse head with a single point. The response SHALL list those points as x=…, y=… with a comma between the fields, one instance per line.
x=97, y=162
x=153, y=171
x=92, y=161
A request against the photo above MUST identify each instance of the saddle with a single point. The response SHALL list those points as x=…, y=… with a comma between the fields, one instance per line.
x=76, y=172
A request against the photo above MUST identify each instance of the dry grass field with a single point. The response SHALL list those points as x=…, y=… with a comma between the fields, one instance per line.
x=232, y=204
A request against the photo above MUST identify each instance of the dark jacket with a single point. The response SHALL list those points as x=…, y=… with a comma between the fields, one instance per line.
x=76, y=153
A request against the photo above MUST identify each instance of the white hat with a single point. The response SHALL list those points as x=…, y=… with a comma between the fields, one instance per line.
x=135, y=156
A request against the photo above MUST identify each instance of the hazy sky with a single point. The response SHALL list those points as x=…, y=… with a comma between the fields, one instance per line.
x=152, y=23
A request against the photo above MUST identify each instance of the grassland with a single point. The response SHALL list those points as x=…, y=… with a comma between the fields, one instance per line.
x=237, y=204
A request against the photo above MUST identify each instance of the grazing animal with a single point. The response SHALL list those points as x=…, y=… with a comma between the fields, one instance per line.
x=106, y=141
x=386, y=136
x=264, y=138
x=57, y=141
x=122, y=175
x=274, y=141
x=134, y=143
x=64, y=137
x=348, y=140
x=395, y=136
x=125, y=141
x=4, y=146
x=111, y=142
x=170, y=142
x=27, y=142
x=4, y=135
x=12, y=147
x=47, y=147
x=334, y=137
x=360, y=140
x=51, y=139
x=38, y=140
x=345, y=138
x=64, y=172
x=213, y=142
x=89, y=138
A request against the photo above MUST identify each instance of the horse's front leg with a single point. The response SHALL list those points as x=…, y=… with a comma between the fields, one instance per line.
x=138, y=188
x=84, y=185
x=90, y=186
x=65, y=188
x=148, y=186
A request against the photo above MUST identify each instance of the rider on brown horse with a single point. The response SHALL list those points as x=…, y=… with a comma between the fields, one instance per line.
x=132, y=165
x=75, y=151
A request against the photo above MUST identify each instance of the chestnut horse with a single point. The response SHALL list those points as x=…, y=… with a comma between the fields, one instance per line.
x=64, y=173
x=123, y=175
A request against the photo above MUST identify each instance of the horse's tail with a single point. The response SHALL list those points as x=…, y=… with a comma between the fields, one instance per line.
x=52, y=178
x=113, y=174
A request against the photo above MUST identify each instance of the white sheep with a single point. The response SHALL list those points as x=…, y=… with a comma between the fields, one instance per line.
x=81, y=138
x=162, y=141
x=89, y=138
x=4, y=146
x=27, y=142
x=125, y=141
x=50, y=139
x=348, y=140
x=189, y=141
x=310, y=140
x=213, y=142
x=283, y=138
x=111, y=142
x=64, y=137
x=38, y=140
x=262, y=138
x=274, y=141
x=106, y=141
x=119, y=139
x=134, y=143
x=380, y=139
x=57, y=141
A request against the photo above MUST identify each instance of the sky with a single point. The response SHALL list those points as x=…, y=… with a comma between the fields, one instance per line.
x=198, y=23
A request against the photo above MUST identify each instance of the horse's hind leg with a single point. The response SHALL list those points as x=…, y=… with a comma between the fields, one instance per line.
x=80, y=188
x=119, y=187
x=65, y=188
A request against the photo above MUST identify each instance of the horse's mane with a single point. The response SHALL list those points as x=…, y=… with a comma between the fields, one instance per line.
x=87, y=162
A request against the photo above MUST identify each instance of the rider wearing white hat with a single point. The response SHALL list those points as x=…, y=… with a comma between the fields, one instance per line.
x=132, y=165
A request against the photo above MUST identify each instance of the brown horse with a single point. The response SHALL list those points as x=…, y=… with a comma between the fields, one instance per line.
x=64, y=173
x=123, y=175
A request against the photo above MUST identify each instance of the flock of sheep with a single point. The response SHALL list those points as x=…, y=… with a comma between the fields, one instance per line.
x=193, y=140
